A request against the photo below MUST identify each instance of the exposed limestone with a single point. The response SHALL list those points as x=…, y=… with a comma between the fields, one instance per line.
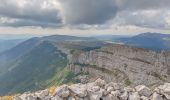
x=100, y=91
x=63, y=91
x=143, y=90
x=134, y=96
x=156, y=96
x=124, y=64
x=79, y=89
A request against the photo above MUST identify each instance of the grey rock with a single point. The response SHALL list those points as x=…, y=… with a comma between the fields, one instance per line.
x=134, y=96
x=143, y=90
x=156, y=96
x=63, y=91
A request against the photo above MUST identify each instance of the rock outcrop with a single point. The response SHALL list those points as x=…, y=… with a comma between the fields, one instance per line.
x=100, y=90
x=124, y=64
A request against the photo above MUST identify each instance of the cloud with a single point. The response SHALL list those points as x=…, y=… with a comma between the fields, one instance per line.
x=145, y=4
x=26, y=12
x=25, y=23
x=158, y=19
x=88, y=11
x=85, y=14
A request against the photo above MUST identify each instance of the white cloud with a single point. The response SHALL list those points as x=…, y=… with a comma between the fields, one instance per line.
x=167, y=19
x=85, y=14
x=153, y=18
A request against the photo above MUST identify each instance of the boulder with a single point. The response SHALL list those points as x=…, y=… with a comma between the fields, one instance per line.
x=79, y=98
x=30, y=97
x=124, y=96
x=100, y=82
x=144, y=98
x=110, y=97
x=79, y=90
x=116, y=86
x=96, y=95
x=164, y=90
x=129, y=89
x=134, y=96
x=109, y=89
x=41, y=94
x=93, y=89
x=63, y=91
x=71, y=98
x=156, y=96
x=24, y=96
x=47, y=98
x=116, y=93
x=143, y=90
x=56, y=98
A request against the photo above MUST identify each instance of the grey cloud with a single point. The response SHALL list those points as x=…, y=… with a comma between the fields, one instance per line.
x=145, y=4
x=31, y=12
x=92, y=12
x=23, y=22
x=88, y=11
x=84, y=14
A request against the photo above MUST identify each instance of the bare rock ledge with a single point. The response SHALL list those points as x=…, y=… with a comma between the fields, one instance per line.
x=100, y=90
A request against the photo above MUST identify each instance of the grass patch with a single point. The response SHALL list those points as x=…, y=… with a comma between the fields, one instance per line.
x=62, y=76
x=157, y=76
x=128, y=82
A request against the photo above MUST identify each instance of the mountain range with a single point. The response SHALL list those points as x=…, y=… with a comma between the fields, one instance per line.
x=154, y=41
x=41, y=62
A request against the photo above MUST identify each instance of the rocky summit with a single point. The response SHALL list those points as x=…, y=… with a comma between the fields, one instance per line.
x=100, y=90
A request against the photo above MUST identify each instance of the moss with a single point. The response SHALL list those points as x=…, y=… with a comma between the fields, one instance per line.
x=157, y=75
x=72, y=51
x=168, y=72
x=90, y=48
x=104, y=51
x=84, y=65
x=128, y=82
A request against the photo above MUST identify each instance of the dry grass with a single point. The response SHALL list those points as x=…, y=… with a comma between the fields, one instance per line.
x=7, y=98
x=52, y=90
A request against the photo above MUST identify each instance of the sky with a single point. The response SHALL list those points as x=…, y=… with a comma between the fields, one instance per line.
x=84, y=17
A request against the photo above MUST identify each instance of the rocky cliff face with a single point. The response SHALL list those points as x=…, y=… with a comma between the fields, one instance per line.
x=128, y=65
x=100, y=90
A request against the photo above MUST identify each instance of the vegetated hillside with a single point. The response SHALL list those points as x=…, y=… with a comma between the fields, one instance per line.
x=124, y=64
x=154, y=41
x=9, y=56
x=31, y=70
x=8, y=44
x=37, y=63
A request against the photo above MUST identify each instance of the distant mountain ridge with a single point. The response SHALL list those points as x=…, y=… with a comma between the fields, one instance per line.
x=154, y=41
x=8, y=44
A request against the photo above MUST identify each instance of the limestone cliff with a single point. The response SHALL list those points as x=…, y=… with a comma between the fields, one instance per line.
x=128, y=65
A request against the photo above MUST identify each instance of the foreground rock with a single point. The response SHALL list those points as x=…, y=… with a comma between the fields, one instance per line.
x=100, y=90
